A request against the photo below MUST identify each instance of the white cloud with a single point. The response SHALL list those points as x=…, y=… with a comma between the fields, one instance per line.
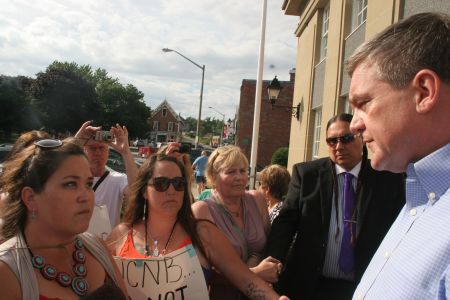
x=126, y=38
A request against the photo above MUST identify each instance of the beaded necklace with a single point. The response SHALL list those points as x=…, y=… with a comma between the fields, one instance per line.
x=77, y=283
x=155, y=251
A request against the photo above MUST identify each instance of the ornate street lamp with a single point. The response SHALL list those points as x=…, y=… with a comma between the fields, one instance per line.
x=274, y=89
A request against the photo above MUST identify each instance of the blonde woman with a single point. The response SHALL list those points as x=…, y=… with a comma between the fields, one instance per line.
x=242, y=217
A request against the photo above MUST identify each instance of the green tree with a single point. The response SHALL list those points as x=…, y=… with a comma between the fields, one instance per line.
x=63, y=98
x=121, y=104
x=16, y=114
x=280, y=156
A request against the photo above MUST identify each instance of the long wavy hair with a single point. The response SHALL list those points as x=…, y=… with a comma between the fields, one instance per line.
x=135, y=208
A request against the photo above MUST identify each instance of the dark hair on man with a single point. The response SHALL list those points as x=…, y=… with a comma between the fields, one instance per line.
x=345, y=117
x=421, y=41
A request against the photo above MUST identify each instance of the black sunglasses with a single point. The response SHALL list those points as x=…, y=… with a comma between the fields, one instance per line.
x=48, y=143
x=161, y=184
x=344, y=139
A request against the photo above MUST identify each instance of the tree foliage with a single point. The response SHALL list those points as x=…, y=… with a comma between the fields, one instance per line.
x=16, y=114
x=65, y=95
x=280, y=156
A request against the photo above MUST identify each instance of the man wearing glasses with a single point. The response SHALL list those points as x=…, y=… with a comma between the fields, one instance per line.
x=339, y=208
x=110, y=187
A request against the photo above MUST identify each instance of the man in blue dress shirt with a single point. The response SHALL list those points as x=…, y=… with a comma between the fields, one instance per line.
x=400, y=92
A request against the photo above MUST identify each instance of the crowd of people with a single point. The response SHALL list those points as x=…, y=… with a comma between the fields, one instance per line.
x=338, y=227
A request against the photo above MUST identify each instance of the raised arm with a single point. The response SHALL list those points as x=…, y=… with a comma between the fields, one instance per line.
x=120, y=144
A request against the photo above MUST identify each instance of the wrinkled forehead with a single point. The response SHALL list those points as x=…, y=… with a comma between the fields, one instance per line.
x=96, y=145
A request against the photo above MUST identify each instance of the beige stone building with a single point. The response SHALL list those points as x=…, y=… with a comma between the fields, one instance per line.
x=327, y=34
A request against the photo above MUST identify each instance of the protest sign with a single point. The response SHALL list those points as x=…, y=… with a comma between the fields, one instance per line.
x=175, y=276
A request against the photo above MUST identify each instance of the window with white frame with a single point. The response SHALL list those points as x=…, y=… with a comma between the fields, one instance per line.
x=164, y=112
x=324, y=39
x=170, y=126
x=155, y=125
x=317, y=126
x=359, y=13
x=346, y=107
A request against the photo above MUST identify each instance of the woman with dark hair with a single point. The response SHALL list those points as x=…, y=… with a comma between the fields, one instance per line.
x=159, y=221
x=48, y=206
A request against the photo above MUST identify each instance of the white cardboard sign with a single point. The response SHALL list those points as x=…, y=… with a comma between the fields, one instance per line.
x=176, y=276
x=100, y=224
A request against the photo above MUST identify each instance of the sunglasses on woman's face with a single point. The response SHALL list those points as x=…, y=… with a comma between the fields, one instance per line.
x=161, y=184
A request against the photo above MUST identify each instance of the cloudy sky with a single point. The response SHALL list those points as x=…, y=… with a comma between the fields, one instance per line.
x=125, y=37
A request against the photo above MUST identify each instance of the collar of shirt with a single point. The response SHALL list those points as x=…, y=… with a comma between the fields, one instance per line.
x=429, y=177
x=354, y=171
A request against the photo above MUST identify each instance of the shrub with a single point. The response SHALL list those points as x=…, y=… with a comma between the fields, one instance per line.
x=280, y=156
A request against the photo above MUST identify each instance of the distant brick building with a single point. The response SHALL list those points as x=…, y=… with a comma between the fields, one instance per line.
x=275, y=124
x=165, y=124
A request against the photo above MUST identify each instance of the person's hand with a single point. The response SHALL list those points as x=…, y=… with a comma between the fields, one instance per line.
x=284, y=298
x=86, y=131
x=120, y=141
x=173, y=149
x=269, y=269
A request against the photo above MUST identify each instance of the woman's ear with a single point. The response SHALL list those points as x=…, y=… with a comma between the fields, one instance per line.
x=28, y=198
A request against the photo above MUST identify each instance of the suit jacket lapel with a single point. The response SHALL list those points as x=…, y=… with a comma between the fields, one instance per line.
x=326, y=195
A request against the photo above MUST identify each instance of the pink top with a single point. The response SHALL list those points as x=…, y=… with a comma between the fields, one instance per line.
x=252, y=237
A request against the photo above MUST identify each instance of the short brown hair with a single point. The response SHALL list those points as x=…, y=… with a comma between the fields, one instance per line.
x=421, y=41
x=276, y=178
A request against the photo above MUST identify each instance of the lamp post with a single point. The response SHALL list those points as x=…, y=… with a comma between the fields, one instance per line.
x=223, y=123
x=197, y=134
x=274, y=89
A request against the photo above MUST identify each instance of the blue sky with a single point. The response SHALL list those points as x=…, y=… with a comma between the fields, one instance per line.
x=126, y=38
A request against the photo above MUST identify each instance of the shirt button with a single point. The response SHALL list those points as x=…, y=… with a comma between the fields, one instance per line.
x=360, y=297
x=431, y=196
x=387, y=254
x=413, y=212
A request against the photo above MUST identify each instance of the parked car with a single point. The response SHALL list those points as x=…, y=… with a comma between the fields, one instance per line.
x=115, y=161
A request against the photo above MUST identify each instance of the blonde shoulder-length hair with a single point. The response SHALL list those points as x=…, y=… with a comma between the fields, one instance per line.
x=221, y=159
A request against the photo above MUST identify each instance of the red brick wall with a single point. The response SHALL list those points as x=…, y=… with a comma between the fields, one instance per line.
x=164, y=121
x=274, y=126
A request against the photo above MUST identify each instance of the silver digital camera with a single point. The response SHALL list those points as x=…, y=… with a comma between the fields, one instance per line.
x=104, y=136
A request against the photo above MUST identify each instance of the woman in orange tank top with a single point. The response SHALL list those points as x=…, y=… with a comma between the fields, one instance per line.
x=159, y=221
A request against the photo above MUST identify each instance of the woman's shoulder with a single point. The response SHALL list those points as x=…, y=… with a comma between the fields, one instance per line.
x=200, y=210
x=9, y=285
x=117, y=237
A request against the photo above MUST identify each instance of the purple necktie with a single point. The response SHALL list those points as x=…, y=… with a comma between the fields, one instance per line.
x=347, y=256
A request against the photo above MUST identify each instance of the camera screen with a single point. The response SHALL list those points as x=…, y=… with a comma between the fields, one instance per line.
x=105, y=136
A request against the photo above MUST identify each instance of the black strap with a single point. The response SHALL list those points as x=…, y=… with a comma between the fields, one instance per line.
x=100, y=180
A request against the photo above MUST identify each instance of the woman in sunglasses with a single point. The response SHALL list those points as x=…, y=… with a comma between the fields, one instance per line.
x=48, y=207
x=159, y=221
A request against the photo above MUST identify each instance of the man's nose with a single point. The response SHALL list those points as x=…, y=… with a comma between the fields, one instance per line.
x=357, y=124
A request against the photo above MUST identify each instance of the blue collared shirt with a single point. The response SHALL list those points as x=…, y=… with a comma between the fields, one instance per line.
x=413, y=261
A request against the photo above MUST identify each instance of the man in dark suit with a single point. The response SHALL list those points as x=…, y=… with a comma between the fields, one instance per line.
x=338, y=209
